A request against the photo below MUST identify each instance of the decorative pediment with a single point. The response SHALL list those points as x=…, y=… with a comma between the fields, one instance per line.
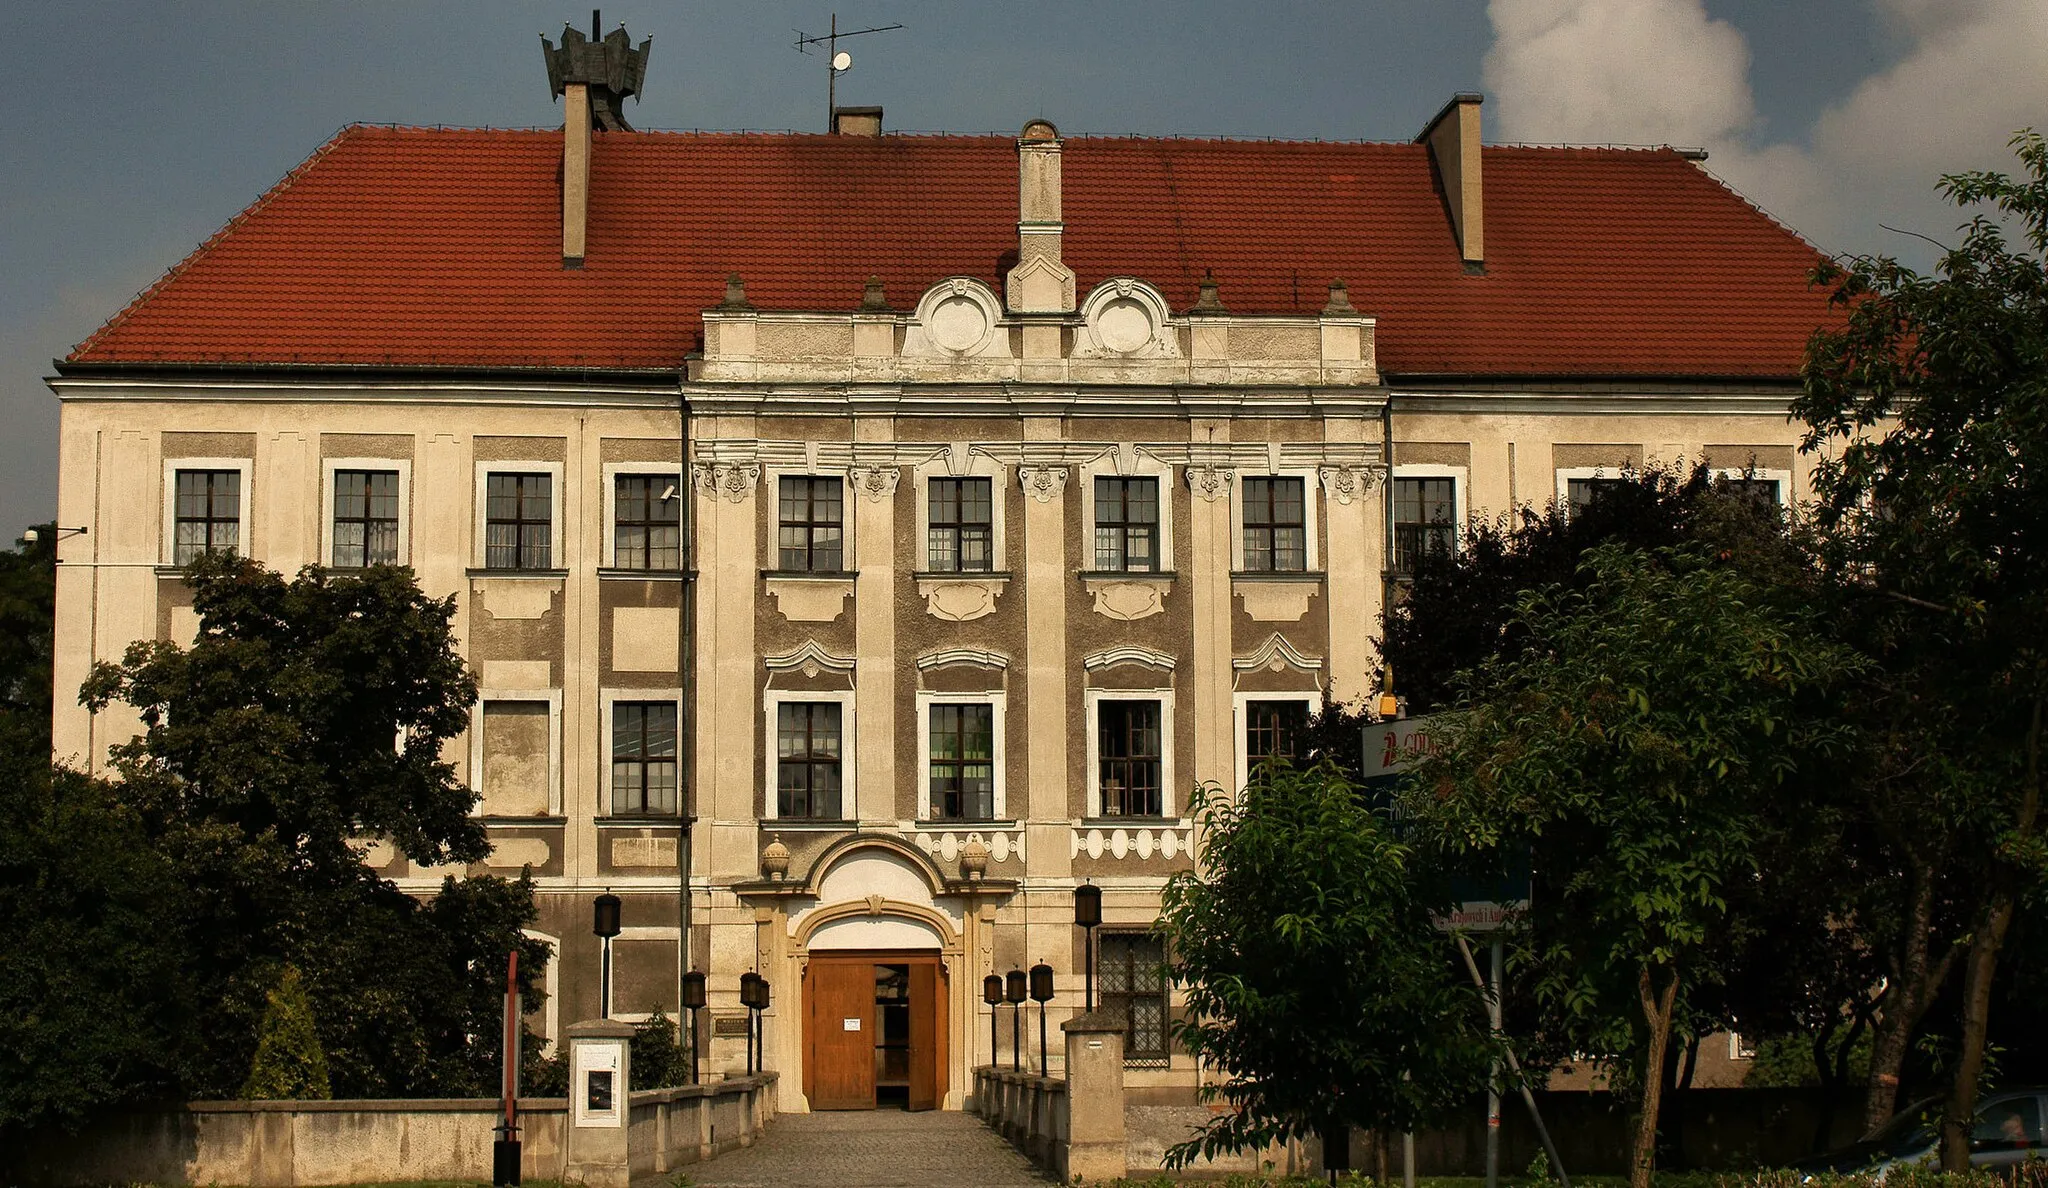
x=1276, y=653
x=809, y=659
x=1127, y=654
x=945, y=656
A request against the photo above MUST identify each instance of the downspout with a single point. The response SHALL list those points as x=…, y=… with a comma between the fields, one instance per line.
x=686, y=727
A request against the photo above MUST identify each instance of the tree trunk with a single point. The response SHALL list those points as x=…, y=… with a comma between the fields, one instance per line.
x=1657, y=1006
x=1905, y=1002
x=1982, y=968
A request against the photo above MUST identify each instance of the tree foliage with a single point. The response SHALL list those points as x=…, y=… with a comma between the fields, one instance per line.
x=1318, y=987
x=307, y=720
x=290, y=1064
x=1929, y=408
x=1641, y=745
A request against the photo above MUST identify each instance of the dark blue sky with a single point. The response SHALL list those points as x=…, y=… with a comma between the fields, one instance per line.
x=134, y=129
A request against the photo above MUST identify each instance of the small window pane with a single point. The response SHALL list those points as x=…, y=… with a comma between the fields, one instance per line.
x=519, y=521
x=1126, y=524
x=958, y=512
x=206, y=513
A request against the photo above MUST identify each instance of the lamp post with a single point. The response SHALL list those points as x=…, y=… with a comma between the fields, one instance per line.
x=1041, y=993
x=992, y=994
x=1088, y=916
x=1017, y=988
x=693, y=1001
x=604, y=922
x=753, y=996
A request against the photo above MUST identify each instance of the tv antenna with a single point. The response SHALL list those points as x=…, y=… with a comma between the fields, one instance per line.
x=836, y=60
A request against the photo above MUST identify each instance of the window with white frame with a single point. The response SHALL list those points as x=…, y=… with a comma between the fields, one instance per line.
x=519, y=519
x=643, y=758
x=647, y=522
x=206, y=512
x=1425, y=518
x=1275, y=524
x=366, y=517
x=962, y=757
x=1767, y=487
x=808, y=758
x=1130, y=757
x=1270, y=725
x=960, y=525
x=811, y=524
x=1126, y=524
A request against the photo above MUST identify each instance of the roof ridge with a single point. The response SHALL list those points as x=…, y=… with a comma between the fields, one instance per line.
x=192, y=257
x=1768, y=217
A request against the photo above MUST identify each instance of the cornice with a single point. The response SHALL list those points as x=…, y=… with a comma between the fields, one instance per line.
x=637, y=395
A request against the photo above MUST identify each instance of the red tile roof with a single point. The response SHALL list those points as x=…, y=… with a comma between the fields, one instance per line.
x=431, y=247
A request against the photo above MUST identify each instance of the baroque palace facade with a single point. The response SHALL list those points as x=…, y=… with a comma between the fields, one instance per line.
x=861, y=540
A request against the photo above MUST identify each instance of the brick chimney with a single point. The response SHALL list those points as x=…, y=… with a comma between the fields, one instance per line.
x=593, y=76
x=1453, y=140
x=857, y=121
x=1041, y=282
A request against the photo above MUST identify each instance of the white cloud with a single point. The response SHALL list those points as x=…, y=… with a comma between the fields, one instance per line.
x=1662, y=71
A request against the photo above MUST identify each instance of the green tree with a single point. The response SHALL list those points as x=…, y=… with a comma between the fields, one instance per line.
x=289, y=1065
x=94, y=948
x=28, y=597
x=1640, y=746
x=307, y=719
x=1318, y=988
x=1929, y=409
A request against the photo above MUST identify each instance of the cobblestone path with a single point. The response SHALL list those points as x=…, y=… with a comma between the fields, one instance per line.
x=872, y=1149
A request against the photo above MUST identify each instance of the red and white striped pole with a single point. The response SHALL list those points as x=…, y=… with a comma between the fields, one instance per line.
x=505, y=1150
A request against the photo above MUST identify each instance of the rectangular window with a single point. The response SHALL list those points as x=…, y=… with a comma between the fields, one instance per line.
x=516, y=758
x=647, y=528
x=1275, y=527
x=643, y=757
x=1127, y=524
x=1271, y=731
x=959, y=513
x=365, y=518
x=519, y=521
x=1764, y=491
x=1128, y=748
x=807, y=754
x=208, y=515
x=963, y=769
x=812, y=516
x=1580, y=492
x=1132, y=969
x=1425, y=520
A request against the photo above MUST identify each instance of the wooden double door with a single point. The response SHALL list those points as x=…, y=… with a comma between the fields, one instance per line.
x=875, y=1031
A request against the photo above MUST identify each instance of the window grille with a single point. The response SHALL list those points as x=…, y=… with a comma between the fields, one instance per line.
x=1425, y=520
x=365, y=518
x=1128, y=748
x=963, y=772
x=1127, y=524
x=643, y=757
x=812, y=518
x=1271, y=730
x=807, y=757
x=960, y=513
x=1275, y=526
x=207, y=517
x=519, y=521
x=647, y=530
x=1132, y=974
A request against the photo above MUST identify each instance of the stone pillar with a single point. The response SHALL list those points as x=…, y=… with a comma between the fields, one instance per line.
x=1095, y=1097
x=600, y=1070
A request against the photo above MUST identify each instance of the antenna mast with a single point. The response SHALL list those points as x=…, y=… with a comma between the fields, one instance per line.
x=834, y=60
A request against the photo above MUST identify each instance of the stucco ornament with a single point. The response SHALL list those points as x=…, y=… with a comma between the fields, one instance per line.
x=1043, y=483
x=973, y=858
x=875, y=482
x=775, y=859
x=732, y=481
x=1211, y=483
x=1347, y=484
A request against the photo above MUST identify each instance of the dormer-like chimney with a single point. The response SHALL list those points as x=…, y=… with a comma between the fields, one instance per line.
x=857, y=121
x=1453, y=140
x=593, y=76
x=1040, y=283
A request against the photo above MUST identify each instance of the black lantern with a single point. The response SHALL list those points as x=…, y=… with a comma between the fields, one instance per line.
x=1087, y=917
x=693, y=1001
x=604, y=922
x=1017, y=987
x=753, y=996
x=992, y=994
x=1041, y=993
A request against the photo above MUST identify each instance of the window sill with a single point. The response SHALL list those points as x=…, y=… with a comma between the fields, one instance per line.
x=809, y=575
x=805, y=825
x=1139, y=822
x=534, y=574
x=954, y=824
x=642, y=821
x=614, y=573
x=961, y=575
x=496, y=821
x=1277, y=575
x=1163, y=576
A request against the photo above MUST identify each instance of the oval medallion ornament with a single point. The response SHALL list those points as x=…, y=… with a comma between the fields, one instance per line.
x=1123, y=325
x=958, y=323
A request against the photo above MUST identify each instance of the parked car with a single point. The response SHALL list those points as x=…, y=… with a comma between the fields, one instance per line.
x=2007, y=1133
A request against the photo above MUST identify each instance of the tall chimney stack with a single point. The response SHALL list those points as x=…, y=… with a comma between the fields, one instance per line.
x=593, y=76
x=1041, y=282
x=1453, y=140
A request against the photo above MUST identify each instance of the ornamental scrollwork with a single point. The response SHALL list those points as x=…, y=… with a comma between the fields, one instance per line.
x=1043, y=483
x=1211, y=483
x=732, y=481
x=875, y=482
x=1347, y=484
